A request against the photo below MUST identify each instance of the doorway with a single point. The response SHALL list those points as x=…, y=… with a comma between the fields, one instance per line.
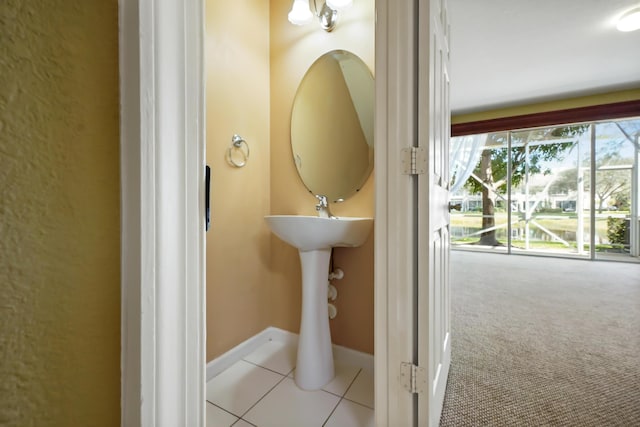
x=255, y=62
x=163, y=205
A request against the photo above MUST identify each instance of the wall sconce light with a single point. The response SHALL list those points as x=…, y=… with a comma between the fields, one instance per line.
x=630, y=21
x=301, y=14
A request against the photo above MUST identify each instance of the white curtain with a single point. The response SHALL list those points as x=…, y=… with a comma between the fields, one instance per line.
x=465, y=153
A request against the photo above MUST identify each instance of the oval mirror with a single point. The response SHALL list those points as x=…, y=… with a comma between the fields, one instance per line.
x=332, y=125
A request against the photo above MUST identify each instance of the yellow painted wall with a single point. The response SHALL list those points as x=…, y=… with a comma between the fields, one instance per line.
x=239, y=295
x=583, y=101
x=293, y=50
x=255, y=60
x=59, y=214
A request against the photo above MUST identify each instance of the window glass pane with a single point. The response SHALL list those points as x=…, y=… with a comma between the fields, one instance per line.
x=616, y=189
x=479, y=185
x=547, y=190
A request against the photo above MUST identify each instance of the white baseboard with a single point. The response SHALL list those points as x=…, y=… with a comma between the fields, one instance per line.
x=340, y=353
x=353, y=357
x=227, y=359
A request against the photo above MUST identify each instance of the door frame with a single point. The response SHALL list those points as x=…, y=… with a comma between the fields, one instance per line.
x=395, y=223
x=162, y=135
x=162, y=243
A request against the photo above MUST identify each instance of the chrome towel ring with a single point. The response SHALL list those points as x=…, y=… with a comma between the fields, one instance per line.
x=238, y=152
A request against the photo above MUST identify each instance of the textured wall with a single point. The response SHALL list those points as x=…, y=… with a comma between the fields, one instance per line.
x=59, y=213
x=293, y=50
x=237, y=67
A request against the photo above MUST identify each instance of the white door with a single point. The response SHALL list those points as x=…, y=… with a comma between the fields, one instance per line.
x=434, y=333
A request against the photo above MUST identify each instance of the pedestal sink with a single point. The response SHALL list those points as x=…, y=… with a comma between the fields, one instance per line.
x=314, y=237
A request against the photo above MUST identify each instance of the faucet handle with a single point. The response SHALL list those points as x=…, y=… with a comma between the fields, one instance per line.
x=322, y=202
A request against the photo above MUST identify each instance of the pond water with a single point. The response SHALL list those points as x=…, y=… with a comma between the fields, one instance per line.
x=518, y=233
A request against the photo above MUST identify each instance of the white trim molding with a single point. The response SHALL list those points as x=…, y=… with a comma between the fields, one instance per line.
x=340, y=354
x=224, y=361
x=394, y=272
x=162, y=204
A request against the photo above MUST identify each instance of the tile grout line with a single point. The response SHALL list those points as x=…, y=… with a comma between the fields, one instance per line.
x=263, y=396
x=353, y=401
x=359, y=404
x=240, y=419
x=341, y=398
x=268, y=391
x=351, y=384
x=285, y=376
x=220, y=407
x=268, y=369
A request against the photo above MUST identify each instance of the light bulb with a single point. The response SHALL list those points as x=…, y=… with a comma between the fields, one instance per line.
x=300, y=13
x=630, y=21
x=339, y=4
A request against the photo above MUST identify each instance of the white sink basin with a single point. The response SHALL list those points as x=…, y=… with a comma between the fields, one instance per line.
x=314, y=237
x=309, y=233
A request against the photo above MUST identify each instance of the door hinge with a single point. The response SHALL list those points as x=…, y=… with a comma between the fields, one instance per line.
x=414, y=161
x=413, y=377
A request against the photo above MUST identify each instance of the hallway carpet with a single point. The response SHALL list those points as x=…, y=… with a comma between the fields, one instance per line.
x=543, y=342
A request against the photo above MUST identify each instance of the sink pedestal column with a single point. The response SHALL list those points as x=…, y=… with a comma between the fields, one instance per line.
x=314, y=367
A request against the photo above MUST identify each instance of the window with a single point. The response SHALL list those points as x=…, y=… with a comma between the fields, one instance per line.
x=571, y=190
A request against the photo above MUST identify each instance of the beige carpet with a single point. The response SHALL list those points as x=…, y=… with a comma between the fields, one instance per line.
x=543, y=342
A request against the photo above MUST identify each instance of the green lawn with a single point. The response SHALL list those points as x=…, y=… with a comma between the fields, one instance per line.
x=556, y=222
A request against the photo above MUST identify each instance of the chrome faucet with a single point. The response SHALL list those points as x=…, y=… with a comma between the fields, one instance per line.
x=323, y=207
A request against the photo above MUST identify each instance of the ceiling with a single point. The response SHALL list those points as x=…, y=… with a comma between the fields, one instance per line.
x=516, y=52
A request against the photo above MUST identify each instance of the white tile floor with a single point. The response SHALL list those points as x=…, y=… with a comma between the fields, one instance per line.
x=259, y=390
